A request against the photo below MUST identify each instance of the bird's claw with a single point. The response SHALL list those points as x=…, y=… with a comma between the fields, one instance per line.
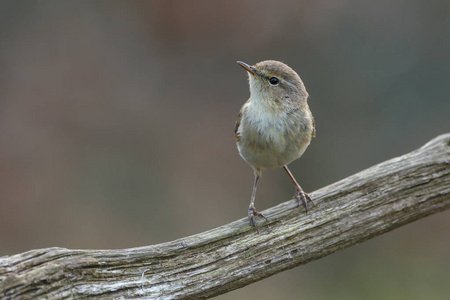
x=302, y=197
x=252, y=214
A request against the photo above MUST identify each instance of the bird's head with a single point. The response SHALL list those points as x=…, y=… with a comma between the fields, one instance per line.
x=274, y=82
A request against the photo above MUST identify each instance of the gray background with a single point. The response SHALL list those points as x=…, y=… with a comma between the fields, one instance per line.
x=117, y=119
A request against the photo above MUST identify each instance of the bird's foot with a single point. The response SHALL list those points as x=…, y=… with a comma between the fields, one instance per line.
x=302, y=197
x=252, y=215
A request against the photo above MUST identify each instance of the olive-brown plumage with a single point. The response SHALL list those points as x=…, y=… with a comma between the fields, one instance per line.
x=275, y=125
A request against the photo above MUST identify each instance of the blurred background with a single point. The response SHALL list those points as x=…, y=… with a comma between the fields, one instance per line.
x=117, y=125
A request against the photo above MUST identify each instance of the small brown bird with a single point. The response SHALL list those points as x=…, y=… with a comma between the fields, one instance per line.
x=274, y=126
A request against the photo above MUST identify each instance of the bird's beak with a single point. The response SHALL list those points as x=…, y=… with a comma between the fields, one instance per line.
x=249, y=68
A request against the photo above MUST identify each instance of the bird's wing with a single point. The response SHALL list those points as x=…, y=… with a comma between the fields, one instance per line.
x=236, y=127
x=313, y=134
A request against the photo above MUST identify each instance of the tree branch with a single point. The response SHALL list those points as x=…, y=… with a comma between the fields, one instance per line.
x=355, y=209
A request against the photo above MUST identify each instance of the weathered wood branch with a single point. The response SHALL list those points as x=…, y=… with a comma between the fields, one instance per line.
x=201, y=266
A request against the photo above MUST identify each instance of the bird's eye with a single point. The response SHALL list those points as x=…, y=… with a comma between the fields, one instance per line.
x=274, y=81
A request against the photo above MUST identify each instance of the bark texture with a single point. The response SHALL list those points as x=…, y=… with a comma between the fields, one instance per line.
x=348, y=212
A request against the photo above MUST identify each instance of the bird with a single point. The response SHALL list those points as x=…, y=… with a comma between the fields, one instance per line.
x=275, y=125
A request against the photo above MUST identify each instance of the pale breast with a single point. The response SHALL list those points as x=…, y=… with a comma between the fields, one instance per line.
x=270, y=140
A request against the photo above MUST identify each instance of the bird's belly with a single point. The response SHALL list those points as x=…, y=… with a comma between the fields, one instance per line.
x=269, y=151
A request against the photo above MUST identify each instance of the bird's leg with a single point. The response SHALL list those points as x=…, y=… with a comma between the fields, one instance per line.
x=300, y=195
x=252, y=212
